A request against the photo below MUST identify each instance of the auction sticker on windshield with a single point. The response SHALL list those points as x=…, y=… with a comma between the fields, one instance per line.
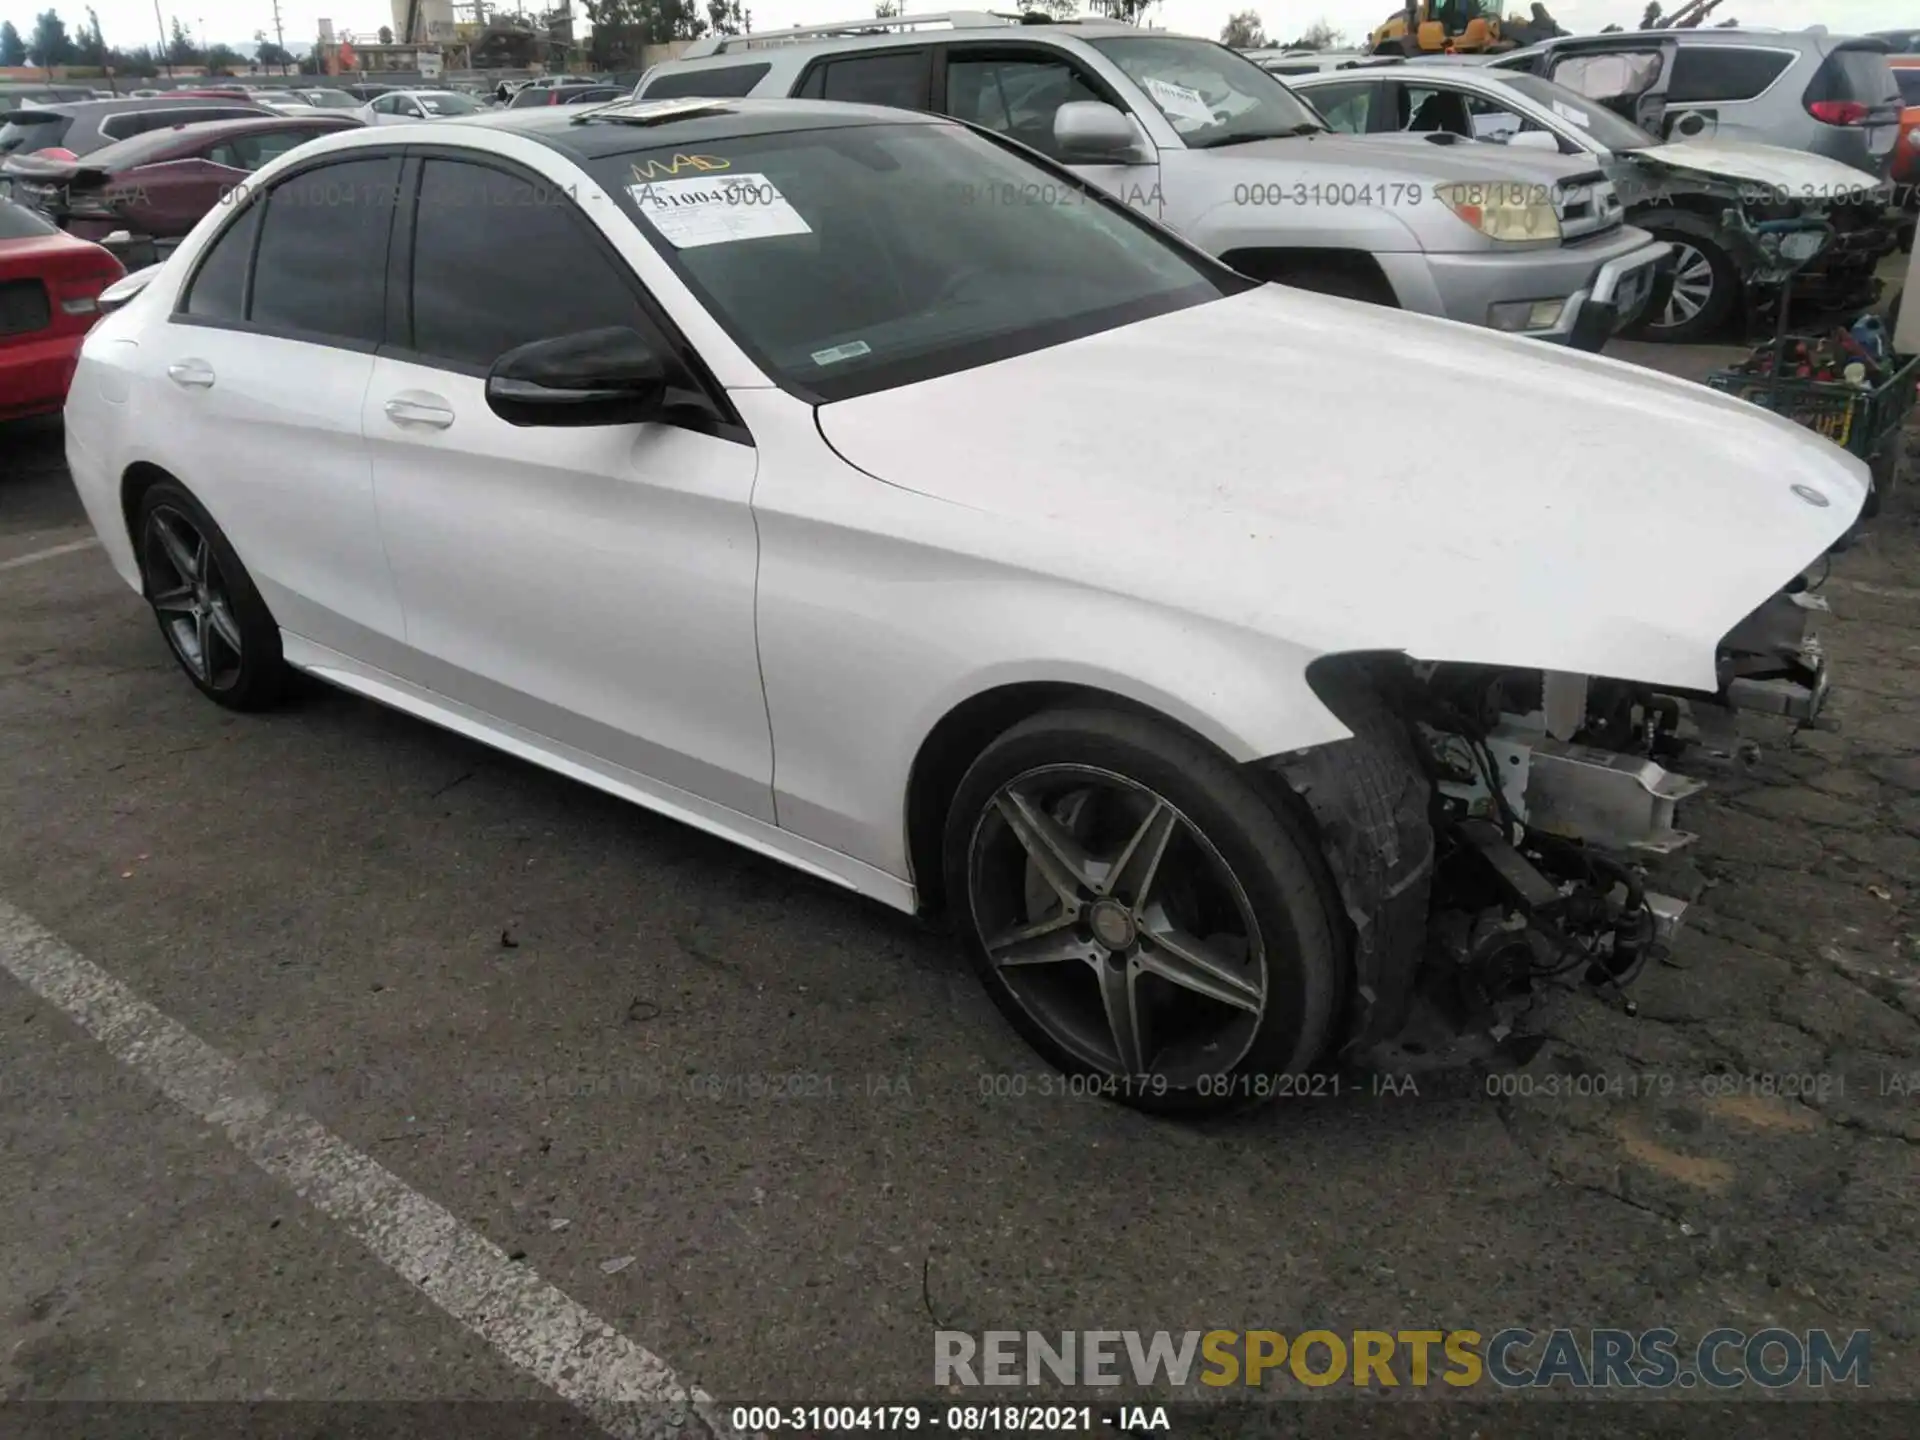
x=1179, y=102
x=691, y=213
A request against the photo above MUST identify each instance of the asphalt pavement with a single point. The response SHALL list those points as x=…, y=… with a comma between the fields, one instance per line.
x=344, y=1056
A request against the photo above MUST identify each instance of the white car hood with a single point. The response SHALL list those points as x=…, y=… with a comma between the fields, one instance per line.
x=1340, y=477
x=1795, y=171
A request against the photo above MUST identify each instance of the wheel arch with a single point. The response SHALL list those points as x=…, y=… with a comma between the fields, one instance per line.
x=969, y=724
x=1358, y=269
x=135, y=481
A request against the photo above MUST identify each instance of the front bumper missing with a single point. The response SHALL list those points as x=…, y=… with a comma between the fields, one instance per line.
x=1770, y=665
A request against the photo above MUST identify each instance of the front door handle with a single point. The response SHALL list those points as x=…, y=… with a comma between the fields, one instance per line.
x=194, y=374
x=420, y=410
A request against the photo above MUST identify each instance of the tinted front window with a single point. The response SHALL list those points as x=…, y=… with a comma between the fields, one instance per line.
x=478, y=234
x=1015, y=97
x=860, y=257
x=721, y=81
x=1208, y=93
x=897, y=78
x=218, y=290
x=323, y=251
x=1703, y=73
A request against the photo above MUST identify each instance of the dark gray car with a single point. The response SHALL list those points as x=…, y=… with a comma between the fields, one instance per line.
x=88, y=125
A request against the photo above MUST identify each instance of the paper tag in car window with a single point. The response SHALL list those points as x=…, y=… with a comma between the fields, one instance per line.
x=1568, y=112
x=852, y=350
x=1179, y=102
x=719, y=211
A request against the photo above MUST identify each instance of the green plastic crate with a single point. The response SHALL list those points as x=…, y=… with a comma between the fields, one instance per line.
x=1854, y=419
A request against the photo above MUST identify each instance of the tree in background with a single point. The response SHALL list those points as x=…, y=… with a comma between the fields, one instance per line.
x=224, y=60
x=50, y=45
x=1244, y=32
x=1130, y=12
x=180, y=47
x=386, y=34
x=13, y=50
x=1650, y=20
x=268, y=53
x=886, y=9
x=1318, y=36
x=89, y=46
x=725, y=17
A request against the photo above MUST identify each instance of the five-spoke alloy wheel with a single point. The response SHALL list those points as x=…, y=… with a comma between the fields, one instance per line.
x=1144, y=913
x=214, y=620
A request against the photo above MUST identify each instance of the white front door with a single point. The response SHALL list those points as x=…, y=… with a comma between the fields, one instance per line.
x=591, y=584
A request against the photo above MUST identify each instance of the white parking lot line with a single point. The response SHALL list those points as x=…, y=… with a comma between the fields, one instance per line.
x=629, y=1391
x=34, y=557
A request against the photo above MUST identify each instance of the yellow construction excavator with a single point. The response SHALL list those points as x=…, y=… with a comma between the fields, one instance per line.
x=1459, y=27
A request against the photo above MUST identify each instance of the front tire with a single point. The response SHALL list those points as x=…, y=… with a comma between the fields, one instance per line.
x=210, y=614
x=1706, y=287
x=1142, y=914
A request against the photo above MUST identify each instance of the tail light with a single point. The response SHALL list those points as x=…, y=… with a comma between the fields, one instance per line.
x=1838, y=112
x=55, y=152
x=79, y=294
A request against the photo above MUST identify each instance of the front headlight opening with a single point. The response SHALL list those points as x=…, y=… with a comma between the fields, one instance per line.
x=1516, y=212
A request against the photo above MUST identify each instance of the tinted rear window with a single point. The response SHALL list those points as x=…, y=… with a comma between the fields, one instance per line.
x=1909, y=81
x=19, y=223
x=1854, y=74
x=722, y=81
x=26, y=136
x=1722, y=72
x=134, y=150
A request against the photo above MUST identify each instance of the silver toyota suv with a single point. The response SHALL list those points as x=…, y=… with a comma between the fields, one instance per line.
x=1203, y=140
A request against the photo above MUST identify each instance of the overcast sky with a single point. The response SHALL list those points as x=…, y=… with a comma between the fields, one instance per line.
x=131, y=22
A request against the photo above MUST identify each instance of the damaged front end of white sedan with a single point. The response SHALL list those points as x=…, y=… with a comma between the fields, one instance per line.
x=1489, y=829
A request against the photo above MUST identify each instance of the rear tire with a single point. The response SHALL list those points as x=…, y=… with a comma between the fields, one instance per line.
x=208, y=609
x=1185, y=956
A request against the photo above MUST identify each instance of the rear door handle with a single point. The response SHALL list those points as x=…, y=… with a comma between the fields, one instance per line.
x=194, y=374
x=420, y=410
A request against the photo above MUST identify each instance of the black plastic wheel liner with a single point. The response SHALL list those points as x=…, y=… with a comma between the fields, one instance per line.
x=1371, y=803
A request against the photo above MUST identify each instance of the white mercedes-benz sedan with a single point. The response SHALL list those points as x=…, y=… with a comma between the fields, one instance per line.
x=873, y=492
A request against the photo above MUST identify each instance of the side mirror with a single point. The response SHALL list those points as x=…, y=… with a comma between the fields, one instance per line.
x=595, y=377
x=1091, y=131
x=1534, y=140
x=124, y=289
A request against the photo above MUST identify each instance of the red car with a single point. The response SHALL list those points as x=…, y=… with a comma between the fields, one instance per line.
x=50, y=287
x=151, y=189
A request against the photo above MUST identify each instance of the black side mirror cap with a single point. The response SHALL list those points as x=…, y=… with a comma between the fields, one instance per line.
x=612, y=376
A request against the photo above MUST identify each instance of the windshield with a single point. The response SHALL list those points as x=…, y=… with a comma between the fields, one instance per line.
x=1602, y=124
x=857, y=258
x=447, y=105
x=330, y=99
x=1209, y=94
x=24, y=134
